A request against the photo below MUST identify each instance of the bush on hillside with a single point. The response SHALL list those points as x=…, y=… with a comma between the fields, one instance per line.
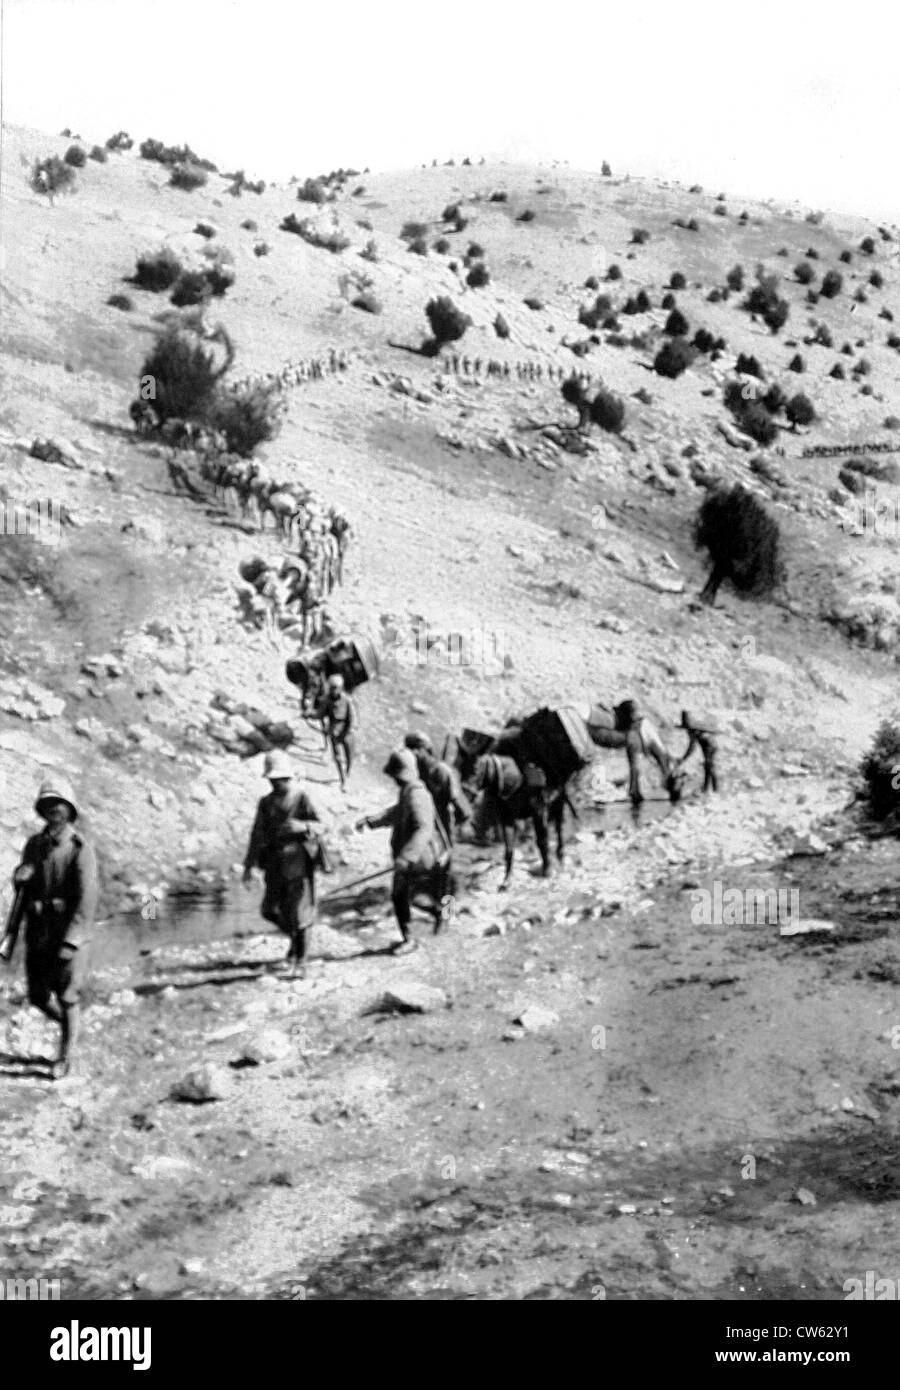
x=120, y=301
x=52, y=176
x=804, y=273
x=674, y=358
x=159, y=153
x=157, y=270
x=418, y=246
x=367, y=301
x=248, y=225
x=837, y=372
x=187, y=177
x=667, y=301
x=735, y=278
x=191, y=287
x=799, y=410
x=796, y=363
x=450, y=213
x=846, y=257
x=120, y=141
x=639, y=235
x=749, y=364
x=677, y=281
x=526, y=216
x=334, y=240
x=823, y=336
x=498, y=197
x=831, y=285
x=643, y=301
x=608, y=411
x=501, y=327
x=573, y=393
x=370, y=250
x=448, y=323
x=876, y=280
x=676, y=324
x=756, y=421
x=75, y=156
x=703, y=340
x=478, y=276
x=605, y=170
x=248, y=417
x=614, y=273
x=98, y=154
x=775, y=399
x=313, y=191
x=879, y=771
x=867, y=246
x=592, y=283
x=185, y=373
x=442, y=246
x=261, y=248
x=720, y=210
x=413, y=231
x=764, y=300
x=743, y=543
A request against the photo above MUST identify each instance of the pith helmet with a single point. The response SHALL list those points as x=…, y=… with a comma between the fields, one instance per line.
x=401, y=765
x=56, y=788
x=419, y=742
x=277, y=764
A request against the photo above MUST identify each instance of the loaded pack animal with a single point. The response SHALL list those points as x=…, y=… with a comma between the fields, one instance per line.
x=624, y=726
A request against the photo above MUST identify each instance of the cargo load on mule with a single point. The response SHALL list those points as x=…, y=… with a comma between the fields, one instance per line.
x=557, y=740
x=353, y=658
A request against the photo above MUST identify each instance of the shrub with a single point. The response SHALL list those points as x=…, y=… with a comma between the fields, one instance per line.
x=442, y=246
x=630, y=306
x=98, y=153
x=188, y=177
x=783, y=251
x=614, y=273
x=313, y=191
x=248, y=417
x=75, y=156
x=823, y=336
x=370, y=250
x=735, y=278
x=52, y=176
x=460, y=224
x=775, y=399
x=667, y=301
x=498, y=197
x=334, y=241
x=262, y=248
x=573, y=393
x=534, y=301
x=448, y=324
x=450, y=213
x=475, y=252
x=831, y=284
x=413, y=231
x=804, y=273
x=867, y=246
x=205, y=229
x=603, y=304
x=860, y=296
x=501, y=327
x=639, y=235
x=219, y=277
x=837, y=372
x=878, y=770
x=526, y=216
x=756, y=421
x=674, y=358
x=847, y=350
x=811, y=253
x=876, y=280
x=156, y=151
x=863, y=367
x=677, y=281
x=796, y=363
x=749, y=365
x=799, y=410
x=605, y=170
x=185, y=373
x=479, y=275
x=676, y=324
x=418, y=246
x=592, y=283
x=720, y=210
x=742, y=540
x=704, y=340
x=643, y=301
x=814, y=217
x=120, y=301
x=192, y=287
x=692, y=225
x=608, y=411
x=764, y=300
x=846, y=257
x=884, y=313
x=157, y=270
x=120, y=141
x=248, y=225
x=893, y=340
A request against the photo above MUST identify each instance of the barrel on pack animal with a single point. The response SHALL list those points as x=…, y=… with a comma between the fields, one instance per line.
x=557, y=740
x=354, y=658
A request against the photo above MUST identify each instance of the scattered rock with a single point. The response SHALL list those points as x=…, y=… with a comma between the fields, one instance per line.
x=535, y=1017
x=204, y=1083
x=804, y=1197
x=412, y=997
x=268, y=1045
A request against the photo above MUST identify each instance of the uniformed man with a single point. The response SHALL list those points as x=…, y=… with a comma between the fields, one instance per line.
x=450, y=801
x=57, y=889
x=338, y=715
x=420, y=862
x=285, y=846
x=702, y=734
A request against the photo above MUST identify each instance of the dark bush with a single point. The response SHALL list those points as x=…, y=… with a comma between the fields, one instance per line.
x=674, y=357
x=605, y=170
x=184, y=373
x=823, y=336
x=442, y=246
x=120, y=141
x=573, y=393
x=667, y=301
x=533, y=301
x=749, y=365
x=643, y=301
x=863, y=367
x=677, y=281
x=720, y=210
x=879, y=771
x=608, y=411
x=526, y=216
x=592, y=283
x=370, y=250
x=837, y=372
x=159, y=153
x=478, y=276
x=811, y=253
x=448, y=323
x=831, y=285
x=75, y=156
x=157, y=270
x=774, y=399
x=756, y=421
x=98, y=153
x=783, y=251
x=614, y=273
x=796, y=363
x=450, y=213
x=804, y=273
x=120, y=301
x=262, y=248
x=867, y=246
x=735, y=278
x=334, y=240
x=893, y=340
x=589, y=317
x=876, y=280
x=692, y=225
x=367, y=301
x=188, y=177
x=52, y=176
x=418, y=246
x=413, y=231
x=884, y=313
x=219, y=277
x=205, y=229
x=799, y=410
x=764, y=300
x=742, y=540
x=676, y=324
x=639, y=235
x=847, y=350
x=498, y=197
x=475, y=252
x=630, y=306
x=860, y=296
x=248, y=417
x=704, y=340
x=501, y=327
x=249, y=225
x=846, y=257
x=313, y=191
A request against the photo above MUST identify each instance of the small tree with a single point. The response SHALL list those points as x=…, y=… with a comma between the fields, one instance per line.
x=832, y=283
x=735, y=278
x=248, y=417
x=188, y=177
x=879, y=770
x=99, y=154
x=478, y=276
x=501, y=327
x=448, y=324
x=867, y=246
x=51, y=176
x=676, y=324
x=674, y=358
x=75, y=156
x=799, y=410
x=677, y=281
x=184, y=374
x=608, y=411
x=573, y=393
x=796, y=363
x=804, y=273
x=743, y=543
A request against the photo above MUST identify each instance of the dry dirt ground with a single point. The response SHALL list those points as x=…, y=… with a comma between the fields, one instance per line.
x=701, y=1111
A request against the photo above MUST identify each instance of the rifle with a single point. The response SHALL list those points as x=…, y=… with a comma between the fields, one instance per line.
x=13, y=923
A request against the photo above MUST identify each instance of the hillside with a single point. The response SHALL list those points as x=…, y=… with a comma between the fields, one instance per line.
x=474, y=508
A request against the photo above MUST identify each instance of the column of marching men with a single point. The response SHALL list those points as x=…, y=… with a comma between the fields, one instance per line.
x=296, y=373
x=529, y=370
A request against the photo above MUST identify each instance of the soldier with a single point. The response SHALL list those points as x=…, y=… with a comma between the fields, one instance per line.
x=450, y=802
x=338, y=715
x=56, y=885
x=284, y=845
x=701, y=734
x=420, y=859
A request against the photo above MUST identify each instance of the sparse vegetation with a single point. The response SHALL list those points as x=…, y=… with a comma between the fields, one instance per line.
x=75, y=156
x=764, y=300
x=743, y=543
x=735, y=278
x=334, y=240
x=832, y=283
x=120, y=301
x=799, y=410
x=878, y=771
x=676, y=324
x=797, y=363
x=188, y=177
x=157, y=270
x=51, y=176
x=674, y=358
x=313, y=191
x=501, y=327
x=804, y=273
x=478, y=276
x=448, y=323
x=120, y=141
x=99, y=154
x=534, y=301
x=159, y=153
